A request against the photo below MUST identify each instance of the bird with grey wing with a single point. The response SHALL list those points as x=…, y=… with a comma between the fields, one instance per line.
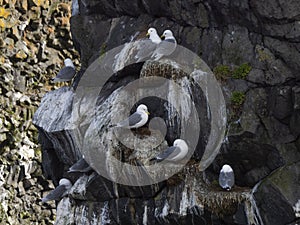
x=135, y=120
x=66, y=73
x=81, y=166
x=226, y=177
x=166, y=47
x=173, y=153
x=147, y=46
x=60, y=191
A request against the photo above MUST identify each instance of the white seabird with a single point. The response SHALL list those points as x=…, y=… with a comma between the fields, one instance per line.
x=80, y=166
x=226, y=177
x=60, y=191
x=66, y=73
x=146, y=47
x=137, y=119
x=173, y=153
x=165, y=47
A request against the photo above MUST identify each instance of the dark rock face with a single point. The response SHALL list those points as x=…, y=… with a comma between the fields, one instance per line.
x=277, y=189
x=263, y=131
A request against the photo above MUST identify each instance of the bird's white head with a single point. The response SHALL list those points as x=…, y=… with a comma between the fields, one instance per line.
x=226, y=169
x=151, y=31
x=142, y=108
x=181, y=144
x=152, y=34
x=65, y=182
x=68, y=62
x=167, y=34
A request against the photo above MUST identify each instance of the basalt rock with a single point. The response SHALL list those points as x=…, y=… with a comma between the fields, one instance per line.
x=262, y=143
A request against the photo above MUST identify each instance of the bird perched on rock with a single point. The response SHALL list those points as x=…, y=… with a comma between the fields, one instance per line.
x=165, y=47
x=137, y=119
x=173, y=153
x=226, y=177
x=60, y=191
x=147, y=46
x=81, y=166
x=66, y=73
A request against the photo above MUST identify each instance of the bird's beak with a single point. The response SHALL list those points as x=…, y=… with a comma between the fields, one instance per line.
x=148, y=113
x=162, y=37
x=148, y=34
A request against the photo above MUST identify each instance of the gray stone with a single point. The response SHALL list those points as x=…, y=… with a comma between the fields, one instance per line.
x=280, y=102
x=276, y=9
x=279, y=192
x=236, y=46
x=278, y=132
x=256, y=76
x=287, y=51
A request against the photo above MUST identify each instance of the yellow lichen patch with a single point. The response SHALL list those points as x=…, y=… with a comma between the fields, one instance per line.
x=4, y=13
x=2, y=23
x=21, y=55
x=7, y=23
x=39, y=2
x=2, y=60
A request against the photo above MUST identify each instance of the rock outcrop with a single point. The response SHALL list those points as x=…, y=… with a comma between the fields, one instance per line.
x=253, y=49
x=34, y=40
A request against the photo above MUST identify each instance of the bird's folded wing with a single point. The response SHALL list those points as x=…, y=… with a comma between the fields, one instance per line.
x=56, y=194
x=80, y=166
x=166, y=47
x=145, y=48
x=66, y=73
x=169, y=153
x=134, y=119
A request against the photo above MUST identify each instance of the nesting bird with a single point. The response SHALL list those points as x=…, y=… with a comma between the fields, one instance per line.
x=137, y=119
x=165, y=47
x=81, y=166
x=173, y=153
x=147, y=46
x=226, y=177
x=66, y=73
x=60, y=191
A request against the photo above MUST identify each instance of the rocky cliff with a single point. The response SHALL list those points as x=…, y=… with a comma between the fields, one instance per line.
x=253, y=49
x=34, y=40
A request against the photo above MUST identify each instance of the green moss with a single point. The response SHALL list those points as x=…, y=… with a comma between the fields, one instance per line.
x=242, y=71
x=222, y=72
x=237, y=98
x=103, y=49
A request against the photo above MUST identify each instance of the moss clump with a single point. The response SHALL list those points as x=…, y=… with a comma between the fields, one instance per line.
x=222, y=72
x=237, y=98
x=242, y=71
